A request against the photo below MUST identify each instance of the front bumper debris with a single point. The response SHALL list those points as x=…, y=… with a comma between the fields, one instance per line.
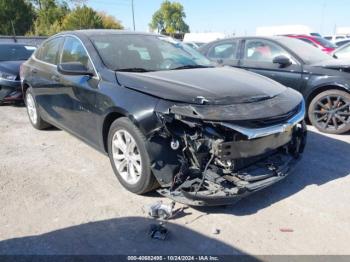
x=200, y=162
x=228, y=189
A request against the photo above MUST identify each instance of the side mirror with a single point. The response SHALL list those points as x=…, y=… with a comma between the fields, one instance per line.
x=282, y=60
x=73, y=68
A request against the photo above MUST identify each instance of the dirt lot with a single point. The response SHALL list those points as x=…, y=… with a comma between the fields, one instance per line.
x=59, y=196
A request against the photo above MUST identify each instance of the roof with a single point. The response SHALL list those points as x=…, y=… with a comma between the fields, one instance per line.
x=94, y=32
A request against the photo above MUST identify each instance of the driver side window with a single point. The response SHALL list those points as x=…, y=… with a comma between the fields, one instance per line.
x=263, y=51
x=73, y=51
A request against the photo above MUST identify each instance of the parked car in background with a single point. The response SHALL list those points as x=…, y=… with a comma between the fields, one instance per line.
x=342, y=42
x=343, y=52
x=323, y=80
x=164, y=115
x=335, y=38
x=11, y=57
x=194, y=45
x=316, y=34
x=316, y=41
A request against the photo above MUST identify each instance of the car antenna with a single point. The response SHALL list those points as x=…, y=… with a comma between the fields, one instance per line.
x=14, y=32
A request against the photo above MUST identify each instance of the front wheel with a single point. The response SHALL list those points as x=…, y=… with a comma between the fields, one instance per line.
x=329, y=112
x=129, y=157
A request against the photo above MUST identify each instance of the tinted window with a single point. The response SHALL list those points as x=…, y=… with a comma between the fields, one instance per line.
x=74, y=51
x=225, y=50
x=147, y=52
x=308, y=41
x=15, y=52
x=49, y=51
x=328, y=37
x=263, y=51
x=325, y=42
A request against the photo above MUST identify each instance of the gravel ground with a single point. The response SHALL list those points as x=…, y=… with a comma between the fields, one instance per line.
x=59, y=196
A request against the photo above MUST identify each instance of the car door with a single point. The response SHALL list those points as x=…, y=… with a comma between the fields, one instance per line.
x=224, y=52
x=45, y=80
x=258, y=56
x=79, y=92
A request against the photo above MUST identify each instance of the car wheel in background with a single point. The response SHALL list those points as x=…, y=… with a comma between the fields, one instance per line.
x=129, y=157
x=329, y=111
x=33, y=113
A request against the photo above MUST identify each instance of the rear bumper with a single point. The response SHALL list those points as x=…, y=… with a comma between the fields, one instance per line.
x=10, y=91
x=248, y=181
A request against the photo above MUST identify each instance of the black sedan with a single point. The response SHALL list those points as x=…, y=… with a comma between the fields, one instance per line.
x=323, y=80
x=165, y=116
x=11, y=57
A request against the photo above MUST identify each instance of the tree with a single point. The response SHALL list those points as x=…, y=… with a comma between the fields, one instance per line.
x=82, y=17
x=50, y=15
x=110, y=22
x=170, y=18
x=16, y=15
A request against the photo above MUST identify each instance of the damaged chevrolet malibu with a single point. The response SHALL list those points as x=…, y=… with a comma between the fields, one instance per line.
x=166, y=117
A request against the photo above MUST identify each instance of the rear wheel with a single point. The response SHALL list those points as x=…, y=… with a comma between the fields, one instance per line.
x=129, y=157
x=33, y=113
x=329, y=112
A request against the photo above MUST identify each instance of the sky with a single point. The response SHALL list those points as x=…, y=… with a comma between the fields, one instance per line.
x=236, y=16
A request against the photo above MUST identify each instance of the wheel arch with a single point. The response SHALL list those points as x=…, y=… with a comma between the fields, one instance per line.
x=311, y=95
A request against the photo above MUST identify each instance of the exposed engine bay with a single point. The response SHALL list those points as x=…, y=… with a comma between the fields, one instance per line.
x=205, y=162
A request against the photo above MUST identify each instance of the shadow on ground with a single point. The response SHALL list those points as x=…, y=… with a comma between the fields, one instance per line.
x=127, y=235
x=325, y=159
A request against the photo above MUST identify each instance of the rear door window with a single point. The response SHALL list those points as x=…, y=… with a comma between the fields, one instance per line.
x=226, y=50
x=49, y=51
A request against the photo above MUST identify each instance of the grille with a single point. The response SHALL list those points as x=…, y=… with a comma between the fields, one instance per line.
x=257, y=123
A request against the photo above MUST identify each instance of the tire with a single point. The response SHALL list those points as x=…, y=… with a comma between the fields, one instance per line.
x=132, y=178
x=329, y=112
x=33, y=112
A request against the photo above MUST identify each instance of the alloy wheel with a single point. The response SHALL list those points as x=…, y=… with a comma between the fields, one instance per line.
x=31, y=108
x=332, y=112
x=126, y=156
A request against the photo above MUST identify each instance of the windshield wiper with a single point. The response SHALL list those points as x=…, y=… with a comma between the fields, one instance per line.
x=190, y=67
x=134, y=69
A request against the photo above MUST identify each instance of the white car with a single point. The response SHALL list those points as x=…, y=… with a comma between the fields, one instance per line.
x=342, y=52
x=335, y=38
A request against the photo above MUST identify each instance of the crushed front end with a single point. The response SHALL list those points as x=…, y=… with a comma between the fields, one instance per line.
x=200, y=161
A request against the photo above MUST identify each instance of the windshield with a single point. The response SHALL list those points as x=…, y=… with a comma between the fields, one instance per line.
x=308, y=53
x=325, y=42
x=143, y=53
x=15, y=52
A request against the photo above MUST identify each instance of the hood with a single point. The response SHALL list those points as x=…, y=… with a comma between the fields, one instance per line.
x=11, y=67
x=221, y=86
x=334, y=64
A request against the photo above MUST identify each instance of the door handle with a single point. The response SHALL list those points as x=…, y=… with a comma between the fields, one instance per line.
x=34, y=71
x=55, y=78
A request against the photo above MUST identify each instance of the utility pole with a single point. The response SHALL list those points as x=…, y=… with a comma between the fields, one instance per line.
x=133, y=14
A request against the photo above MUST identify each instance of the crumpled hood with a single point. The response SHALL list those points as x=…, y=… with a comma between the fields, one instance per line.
x=11, y=67
x=334, y=63
x=221, y=86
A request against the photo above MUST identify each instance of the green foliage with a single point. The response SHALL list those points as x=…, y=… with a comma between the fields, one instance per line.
x=48, y=17
x=19, y=13
x=50, y=14
x=82, y=17
x=110, y=22
x=170, y=18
